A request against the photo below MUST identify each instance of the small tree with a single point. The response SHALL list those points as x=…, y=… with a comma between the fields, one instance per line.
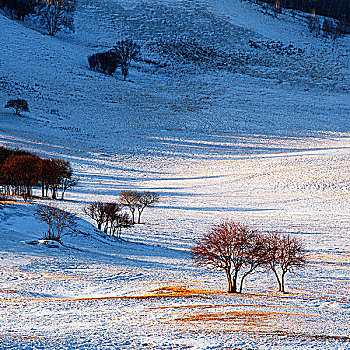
x=125, y=51
x=57, y=15
x=67, y=183
x=59, y=222
x=123, y=221
x=18, y=105
x=112, y=211
x=59, y=173
x=146, y=199
x=115, y=219
x=233, y=248
x=96, y=212
x=130, y=199
x=285, y=254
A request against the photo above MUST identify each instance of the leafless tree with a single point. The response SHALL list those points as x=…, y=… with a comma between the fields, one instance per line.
x=123, y=220
x=59, y=222
x=112, y=211
x=146, y=199
x=59, y=171
x=67, y=183
x=116, y=219
x=125, y=51
x=233, y=248
x=285, y=254
x=56, y=15
x=130, y=199
x=96, y=212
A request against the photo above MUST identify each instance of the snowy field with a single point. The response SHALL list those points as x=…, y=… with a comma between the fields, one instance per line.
x=263, y=140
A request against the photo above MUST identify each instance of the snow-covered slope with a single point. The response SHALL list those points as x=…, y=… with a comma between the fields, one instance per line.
x=263, y=140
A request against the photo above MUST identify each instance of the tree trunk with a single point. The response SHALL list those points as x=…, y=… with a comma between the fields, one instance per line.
x=139, y=218
x=278, y=280
x=232, y=284
x=241, y=285
x=54, y=192
x=133, y=216
x=282, y=282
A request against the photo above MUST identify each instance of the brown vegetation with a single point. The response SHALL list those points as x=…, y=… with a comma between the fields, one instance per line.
x=21, y=171
x=240, y=251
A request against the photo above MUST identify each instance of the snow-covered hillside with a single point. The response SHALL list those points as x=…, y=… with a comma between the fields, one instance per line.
x=263, y=139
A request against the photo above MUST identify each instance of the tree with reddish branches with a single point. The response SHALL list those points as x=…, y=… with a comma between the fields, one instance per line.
x=130, y=199
x=146, y=200
x=233, y=248
x=285, y=254
x=19, y=172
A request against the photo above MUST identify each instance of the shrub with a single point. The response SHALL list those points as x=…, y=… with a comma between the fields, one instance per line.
x=18, y=105
x=59, y=222
x=104, y=62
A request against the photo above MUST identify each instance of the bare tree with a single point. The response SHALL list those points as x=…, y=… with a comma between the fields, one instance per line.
x=146, y=200
x=56, y=15
x=67, y=183
x=130, y=199
x=96, y=212
x=112, y=211
x=18, y=106
x=314, y=25
x=285, y=254
x=115, y=219
x=59, y=171
x=123, y=220
x=233, y=248
x=125, y=51
x=59, y=222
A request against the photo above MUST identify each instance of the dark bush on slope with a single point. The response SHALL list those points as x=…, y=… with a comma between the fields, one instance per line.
x=18, y=106
x=104, y=62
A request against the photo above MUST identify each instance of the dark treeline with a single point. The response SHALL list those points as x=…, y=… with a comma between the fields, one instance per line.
x=21, y=171
x=337, y=9
x=19, y=8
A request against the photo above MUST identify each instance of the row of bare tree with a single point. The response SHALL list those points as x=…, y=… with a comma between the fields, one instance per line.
x=337, y=9
x=111, y=216
x=240, y=251
x=21, y=171
x=108, y=216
